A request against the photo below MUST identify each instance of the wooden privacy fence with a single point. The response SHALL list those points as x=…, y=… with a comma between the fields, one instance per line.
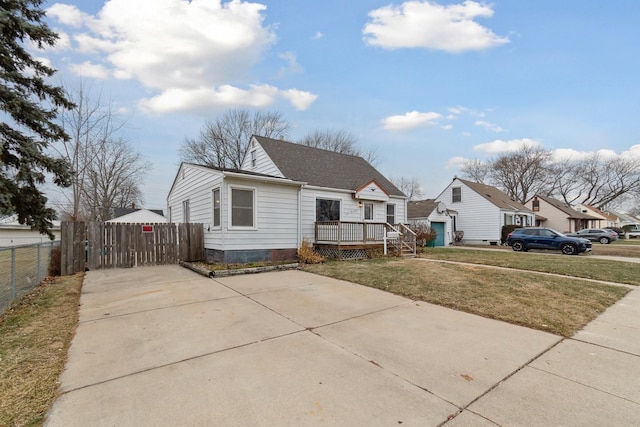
x=98, y=245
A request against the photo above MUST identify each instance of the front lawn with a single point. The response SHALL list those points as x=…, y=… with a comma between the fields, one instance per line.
x=560, y=305
x=584, y=266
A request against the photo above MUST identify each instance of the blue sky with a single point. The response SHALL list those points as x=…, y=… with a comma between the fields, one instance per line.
x=429, y=84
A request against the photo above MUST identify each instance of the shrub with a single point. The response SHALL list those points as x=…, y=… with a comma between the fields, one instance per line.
x=307, y=255
x=424, y=233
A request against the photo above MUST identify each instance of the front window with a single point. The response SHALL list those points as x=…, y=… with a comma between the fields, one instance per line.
x=253, y=158
x=536, y=205
x=391, y=214
x=216, y=207
x=241, y=208
x=456, y=194
x=327, y=210
x=368, y=211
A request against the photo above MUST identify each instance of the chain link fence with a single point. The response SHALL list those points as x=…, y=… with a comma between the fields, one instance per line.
x=22, y=268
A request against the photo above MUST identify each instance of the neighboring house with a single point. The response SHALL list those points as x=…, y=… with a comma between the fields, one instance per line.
x=433, y=214
x=560, y=216
x=482, y=210
x=605, y=219
x=12, y=233
x=626, y=218
x=284, y=193
x=138, y=216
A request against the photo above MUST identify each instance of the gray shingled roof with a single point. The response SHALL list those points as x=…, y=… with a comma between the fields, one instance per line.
x=323, y=168
x=420, y=208
x=562, y=206
x=495, y=196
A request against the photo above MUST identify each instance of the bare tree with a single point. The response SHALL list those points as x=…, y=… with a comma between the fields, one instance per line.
x=476, y=170
x=605, y=180
x=524, y=173
x=90, y=125
x=409, y=186
x=224, y=142
x=340, y=141
x=113, y=179
x=520, y=174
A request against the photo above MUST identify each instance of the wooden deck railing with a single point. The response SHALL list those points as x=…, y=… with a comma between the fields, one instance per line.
x=343, y=232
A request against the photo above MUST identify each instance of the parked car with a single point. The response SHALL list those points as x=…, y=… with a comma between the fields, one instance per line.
x=523, y=239
x=618, y=230
x=596, y=235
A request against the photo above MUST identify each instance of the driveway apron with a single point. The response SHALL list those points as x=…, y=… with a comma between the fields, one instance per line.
x=166, y=346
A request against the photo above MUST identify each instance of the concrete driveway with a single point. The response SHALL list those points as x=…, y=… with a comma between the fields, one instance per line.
x=166, y=346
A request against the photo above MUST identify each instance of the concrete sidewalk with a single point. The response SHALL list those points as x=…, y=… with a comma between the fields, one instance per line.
x=165, y=346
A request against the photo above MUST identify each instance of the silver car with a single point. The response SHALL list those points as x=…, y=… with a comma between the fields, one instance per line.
x=596, y=235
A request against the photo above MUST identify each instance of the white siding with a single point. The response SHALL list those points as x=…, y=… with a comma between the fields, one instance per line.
x=479, y=219
x=276, y=210
x=276, y=213
x=264, y=164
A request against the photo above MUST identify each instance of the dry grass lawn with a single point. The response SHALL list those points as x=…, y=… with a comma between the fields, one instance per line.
x=559, y=305
x=35, y=334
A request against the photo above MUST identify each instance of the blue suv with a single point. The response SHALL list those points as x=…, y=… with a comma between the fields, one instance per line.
x=523, y=239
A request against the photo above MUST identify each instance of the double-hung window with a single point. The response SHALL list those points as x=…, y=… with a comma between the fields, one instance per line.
x=242, y=207
x=456, y=194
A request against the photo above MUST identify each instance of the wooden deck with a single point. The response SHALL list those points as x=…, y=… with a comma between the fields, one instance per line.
x=351, y=240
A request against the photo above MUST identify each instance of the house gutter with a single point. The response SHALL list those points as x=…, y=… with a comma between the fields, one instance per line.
x=259, y=178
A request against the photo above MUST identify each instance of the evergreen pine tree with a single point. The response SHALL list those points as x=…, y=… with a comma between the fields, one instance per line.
x=27, y=123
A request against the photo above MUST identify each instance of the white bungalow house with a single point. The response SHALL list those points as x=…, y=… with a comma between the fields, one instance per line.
x=138, y=216
x=12, y=233
x=605, y=219
x=556, y=214
x=435, y=215
x=481, y=211
x=285, y=193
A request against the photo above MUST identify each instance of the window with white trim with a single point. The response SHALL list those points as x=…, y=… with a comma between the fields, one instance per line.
x=216, y=207
x=456, y=194
x=391, y=213
x=368, y=211
x=253, y=158
x=242, y=209
x=327, y=210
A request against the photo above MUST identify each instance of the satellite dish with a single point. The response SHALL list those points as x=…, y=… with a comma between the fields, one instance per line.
x=441, y=207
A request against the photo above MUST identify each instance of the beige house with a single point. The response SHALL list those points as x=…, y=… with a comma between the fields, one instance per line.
x=559, y=215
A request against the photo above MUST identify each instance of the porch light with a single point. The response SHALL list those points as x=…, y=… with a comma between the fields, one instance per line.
x=359, y=204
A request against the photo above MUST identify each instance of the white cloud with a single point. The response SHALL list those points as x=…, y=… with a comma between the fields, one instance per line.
x=87, y=69
x=301, y=100
x=456, y=162
x=182, y=50
x=500, y=146
x=562, y=154
x=489, y=126
x=426, y=24
x=204, y=98
x=68, y=15
x=411, y=120
x=318, y=35
x=447, y=127
x=292, y=67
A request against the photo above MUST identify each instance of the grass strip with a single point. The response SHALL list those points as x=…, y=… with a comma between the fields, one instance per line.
x=35, y=334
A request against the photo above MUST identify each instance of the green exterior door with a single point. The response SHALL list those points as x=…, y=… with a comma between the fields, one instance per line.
x=438, y=227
